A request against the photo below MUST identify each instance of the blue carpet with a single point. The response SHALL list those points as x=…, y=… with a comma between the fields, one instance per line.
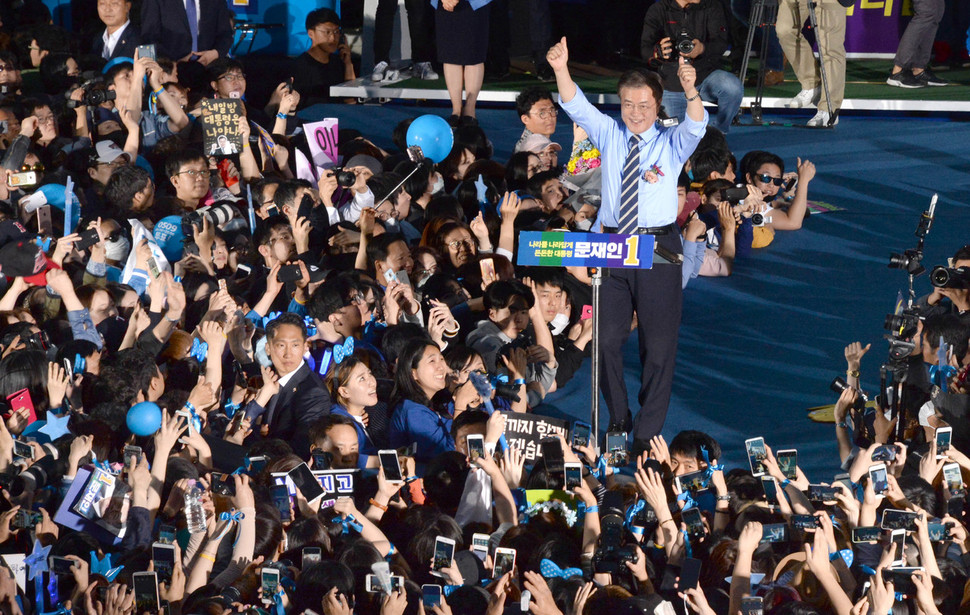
x=759, y=347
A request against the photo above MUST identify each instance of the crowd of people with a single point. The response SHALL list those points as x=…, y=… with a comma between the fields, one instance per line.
x=232, y=389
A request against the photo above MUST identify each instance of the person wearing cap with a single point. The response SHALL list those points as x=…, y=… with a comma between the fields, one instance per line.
x=127, y=80
x=359, y=196
x=546, y=150
x=393, y=205
x=102, y=162
x=120, y=37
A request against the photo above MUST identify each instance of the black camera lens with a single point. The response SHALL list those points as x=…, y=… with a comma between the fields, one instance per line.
x=345, y=178
x=948, y=277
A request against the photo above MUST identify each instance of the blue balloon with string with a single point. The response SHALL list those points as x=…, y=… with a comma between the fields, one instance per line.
x=144, y=418
x=433, y=135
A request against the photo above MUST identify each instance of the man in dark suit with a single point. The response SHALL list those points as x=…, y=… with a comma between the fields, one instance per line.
x=292, y=396
x=120, y=36
x=184, y=30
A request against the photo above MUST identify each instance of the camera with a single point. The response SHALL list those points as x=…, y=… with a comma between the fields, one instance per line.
x=38, y=475
x=345, y=178
x=839, y=385
x=218, y=214
x=734, y=195
x=684, y=42
x=96, y=93
x=909, y=261
x=902, y=325
x=612, y=552
x=760, y=219
x=949, y=277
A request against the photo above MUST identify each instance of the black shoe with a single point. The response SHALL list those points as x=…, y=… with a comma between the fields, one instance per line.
x=640, y=446
x=624, y=425
x=905, y=79
x=544, y=71
x=927, y=77
x=453, y=120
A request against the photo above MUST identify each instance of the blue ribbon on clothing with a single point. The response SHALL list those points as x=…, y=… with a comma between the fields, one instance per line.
x=686, y=498
x=199, y=350
x=349, y=522
x=940, y=375
x=343, y=351
x=234, y=515
x=231, y=408
x=551, y=570
x=632, y=511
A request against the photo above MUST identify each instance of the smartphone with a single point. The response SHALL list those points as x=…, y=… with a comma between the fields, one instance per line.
x=430, y=596
x=844, y=479
x=822, y=493
x=690, y=573
x=153, y=267
x=893, y=519
x=45, y=224
x=902, y=578
x=163, y=555
x=311, y=555
x=476, y=446
x=552, y=455
x=223, y=484
x=289, y=85
x=774, y=532
x=899, y=538
x=257, y=464
x=581, y=433
x=787, y=462
x=22, y=449
x=878, y=479
x=132, y=452
x=25, y=179
x=938, y=532
x=391, y=465
x=289, y=273
x=617, y=454
x=146, y=592
x=444, y=553
x=281, y=498
x=322, y=460
x=21, y=399
x=504, y=562
x=943, y=437
x=804, y=522
x=866, y=535
x=952, y=478
x=61, y=565
x=694, y=521
x=487, y=266
x=372, y=584
x=88, y=239
x=753, y=605
x=756, y=450
x=693, y=482
x=480, y=541
x=26, y=519
x=306, y=482
x=587, y=312
x=574, y=474
x=146, y=51
x=166, y=534
x=305, y=208
x=771, y=490
x=269, y=580
x=886, y=452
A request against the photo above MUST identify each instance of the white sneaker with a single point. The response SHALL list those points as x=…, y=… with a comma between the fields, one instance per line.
x=821, y=120
x=423, y=70
x=393, y=74
x=805, y=98
x=379, y=71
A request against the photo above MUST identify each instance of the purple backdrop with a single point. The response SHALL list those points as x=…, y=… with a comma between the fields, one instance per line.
x=874, y=26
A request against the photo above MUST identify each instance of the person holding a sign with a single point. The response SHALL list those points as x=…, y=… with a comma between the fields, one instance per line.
x=641, y=164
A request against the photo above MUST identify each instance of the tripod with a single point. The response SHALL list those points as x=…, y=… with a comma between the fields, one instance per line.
x=763, y=16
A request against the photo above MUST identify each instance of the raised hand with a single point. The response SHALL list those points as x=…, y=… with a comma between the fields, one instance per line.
x=558, y=55
x=687, y=75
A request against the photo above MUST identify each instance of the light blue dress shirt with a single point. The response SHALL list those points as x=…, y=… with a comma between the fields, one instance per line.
x=665, y=149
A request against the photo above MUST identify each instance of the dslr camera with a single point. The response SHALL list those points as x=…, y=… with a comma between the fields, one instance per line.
x=950, y=277
x=217, y=214
x=684, y=42
x=345, y=178
x=612, y=552
x=96, y=93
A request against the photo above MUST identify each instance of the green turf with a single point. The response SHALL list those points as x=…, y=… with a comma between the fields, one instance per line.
x=865, y=79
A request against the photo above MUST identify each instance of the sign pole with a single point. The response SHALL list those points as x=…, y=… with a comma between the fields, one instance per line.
x=596, y=273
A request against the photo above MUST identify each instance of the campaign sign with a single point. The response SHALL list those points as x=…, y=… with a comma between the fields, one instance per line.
x=322, y=138
x=220, y=126
x=552, y=249
x=524, y=431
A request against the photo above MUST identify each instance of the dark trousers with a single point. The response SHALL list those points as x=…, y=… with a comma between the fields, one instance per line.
x=656, y=297
x=420, y=27
x=916, y=43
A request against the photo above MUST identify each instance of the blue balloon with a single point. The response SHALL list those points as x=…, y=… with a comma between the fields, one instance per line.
x=433, y=135
x=168, y=235
x=144, y=418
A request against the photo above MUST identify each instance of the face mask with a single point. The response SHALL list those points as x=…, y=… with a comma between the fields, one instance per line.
x=118, y=137
x=439, y=184
x=584, y=225
x=117, y=250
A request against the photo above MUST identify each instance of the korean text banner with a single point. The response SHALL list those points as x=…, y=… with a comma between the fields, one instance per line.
x=551, y=249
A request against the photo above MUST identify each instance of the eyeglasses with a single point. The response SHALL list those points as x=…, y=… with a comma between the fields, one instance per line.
x=331, y=32
x=547, y=113
x=4, y=67
x=47, y=119
x=768, y=179
x=196, y=174
x=233, y=77
x=458, y=243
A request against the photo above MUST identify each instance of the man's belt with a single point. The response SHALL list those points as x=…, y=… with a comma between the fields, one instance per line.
x=646, y=230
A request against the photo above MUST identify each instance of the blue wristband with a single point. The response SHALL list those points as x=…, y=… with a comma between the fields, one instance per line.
x=592, y=509
x=518, y=381
x=281, y=116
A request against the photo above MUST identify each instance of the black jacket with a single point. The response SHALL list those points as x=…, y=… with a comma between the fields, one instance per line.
x=298, y=405
x=124, y=48
x=164, y=23
x=704, y=21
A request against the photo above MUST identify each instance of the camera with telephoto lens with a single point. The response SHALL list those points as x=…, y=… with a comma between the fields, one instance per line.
x=612, y=552
x=217, y=214
x=96, y=93
x=950, y=277
x=684, y=42
x=839, y=385
x=902, y=325
x=38, y=475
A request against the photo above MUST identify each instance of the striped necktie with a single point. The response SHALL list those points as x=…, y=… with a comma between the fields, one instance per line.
x=193, y=16
x=628, y=214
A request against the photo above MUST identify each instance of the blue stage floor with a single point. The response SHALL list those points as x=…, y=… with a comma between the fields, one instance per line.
x=761, y=346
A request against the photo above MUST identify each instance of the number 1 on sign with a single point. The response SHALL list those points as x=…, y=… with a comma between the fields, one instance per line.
x=632, y=249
